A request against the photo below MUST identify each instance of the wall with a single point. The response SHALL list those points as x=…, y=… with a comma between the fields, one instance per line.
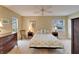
x=44, y=22
x=6, y=13
x=74, y=15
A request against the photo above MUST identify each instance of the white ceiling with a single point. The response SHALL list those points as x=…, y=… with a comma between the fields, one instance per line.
x=51, y=10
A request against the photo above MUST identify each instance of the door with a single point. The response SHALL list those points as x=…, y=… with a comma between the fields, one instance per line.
x=75, y=36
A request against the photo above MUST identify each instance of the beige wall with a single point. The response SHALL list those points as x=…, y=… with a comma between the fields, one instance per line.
x=44, y=22
x=74, y=15
x=6, y=13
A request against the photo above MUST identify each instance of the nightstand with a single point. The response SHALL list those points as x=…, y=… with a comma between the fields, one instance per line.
x=55, y=34
x=30, y=34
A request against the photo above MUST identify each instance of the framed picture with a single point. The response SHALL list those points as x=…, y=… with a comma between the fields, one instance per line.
x=6, y=21
x=59, y=24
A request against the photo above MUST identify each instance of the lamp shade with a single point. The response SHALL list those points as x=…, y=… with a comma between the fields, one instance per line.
x=55, y=28
x=1, y=24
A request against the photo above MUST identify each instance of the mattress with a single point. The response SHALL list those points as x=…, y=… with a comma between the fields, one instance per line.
x=45, y=41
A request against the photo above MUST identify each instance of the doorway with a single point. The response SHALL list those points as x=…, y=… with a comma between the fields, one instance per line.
x=75, y=35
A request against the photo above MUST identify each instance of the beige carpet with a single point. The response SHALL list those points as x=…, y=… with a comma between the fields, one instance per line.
x=23, y=48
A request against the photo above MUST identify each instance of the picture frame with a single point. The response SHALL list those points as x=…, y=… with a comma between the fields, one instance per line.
x=6, y=21
x=59, y=23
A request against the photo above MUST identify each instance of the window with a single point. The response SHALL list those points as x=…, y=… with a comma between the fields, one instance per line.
x=14, y=24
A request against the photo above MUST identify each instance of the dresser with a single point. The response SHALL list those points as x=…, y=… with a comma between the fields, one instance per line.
x=7, y=42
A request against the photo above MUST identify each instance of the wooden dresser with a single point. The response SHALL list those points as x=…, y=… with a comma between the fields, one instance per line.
x=7, y=43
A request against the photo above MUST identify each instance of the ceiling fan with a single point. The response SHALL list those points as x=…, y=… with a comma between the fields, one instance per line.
x=43, y=10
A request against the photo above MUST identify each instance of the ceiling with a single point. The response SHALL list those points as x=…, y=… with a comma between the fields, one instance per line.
x=50, y=10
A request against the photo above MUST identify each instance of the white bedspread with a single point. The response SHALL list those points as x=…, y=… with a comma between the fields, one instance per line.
x=44, y=37
x=45, y=40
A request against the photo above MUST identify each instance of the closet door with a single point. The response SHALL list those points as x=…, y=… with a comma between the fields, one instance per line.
x=75, y=36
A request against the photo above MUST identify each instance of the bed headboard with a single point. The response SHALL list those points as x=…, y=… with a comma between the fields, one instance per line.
x=44, y=31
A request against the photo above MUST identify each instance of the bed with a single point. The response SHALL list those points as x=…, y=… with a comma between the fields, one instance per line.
x=45, y=41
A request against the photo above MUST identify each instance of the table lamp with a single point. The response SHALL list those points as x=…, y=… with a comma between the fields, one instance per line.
x=55, y=29
x=1, y=25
